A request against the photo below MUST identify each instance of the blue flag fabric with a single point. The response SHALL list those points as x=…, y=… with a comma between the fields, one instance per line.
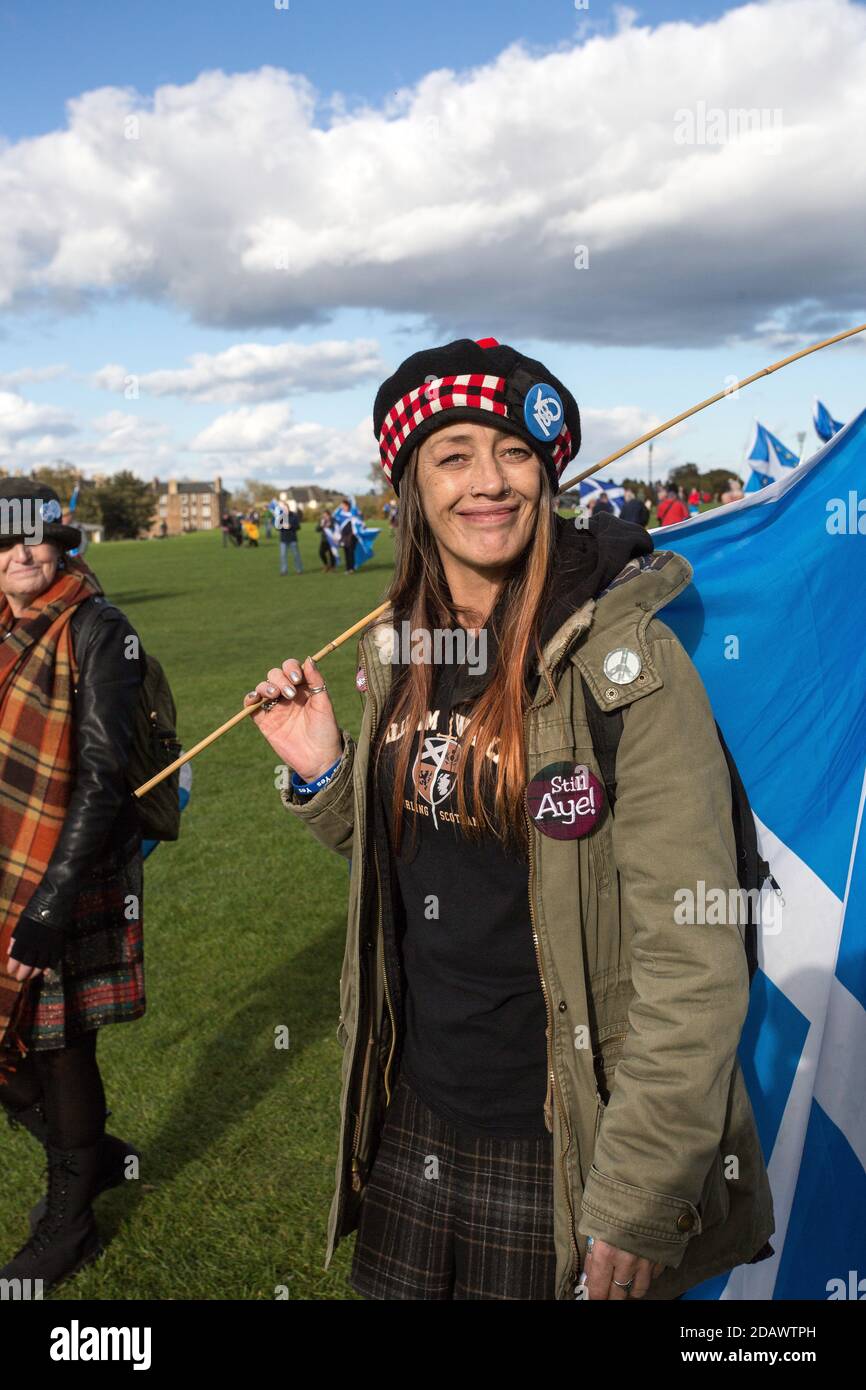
x=769, y=458
x=825, y=425
x=774, y=622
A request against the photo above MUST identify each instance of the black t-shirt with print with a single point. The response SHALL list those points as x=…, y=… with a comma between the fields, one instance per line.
x=474, y=1045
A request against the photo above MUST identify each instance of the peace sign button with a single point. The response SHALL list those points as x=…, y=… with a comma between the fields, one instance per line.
x=622, y=665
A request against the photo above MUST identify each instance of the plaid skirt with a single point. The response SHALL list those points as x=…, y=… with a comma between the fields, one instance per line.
x=101, y=976
x=451, y=1217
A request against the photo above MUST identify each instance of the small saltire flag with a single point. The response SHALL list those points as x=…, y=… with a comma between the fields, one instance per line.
x=825, y=425
x=592, y=487
x=365, y=536
x=769, y=457
x=365, y=540
x=774, y=622
x=184, y=793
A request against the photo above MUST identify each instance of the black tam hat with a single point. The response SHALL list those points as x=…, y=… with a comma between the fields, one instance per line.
x=486, y=382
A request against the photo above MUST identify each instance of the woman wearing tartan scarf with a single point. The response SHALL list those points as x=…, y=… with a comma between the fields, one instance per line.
x=70, y=867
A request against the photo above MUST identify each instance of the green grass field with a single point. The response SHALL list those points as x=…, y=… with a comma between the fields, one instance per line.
x=244, y=923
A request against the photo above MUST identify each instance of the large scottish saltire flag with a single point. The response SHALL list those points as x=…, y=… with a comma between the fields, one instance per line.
x=594, y=487
x=825, y=425
x=769, y=457
x=774, y=621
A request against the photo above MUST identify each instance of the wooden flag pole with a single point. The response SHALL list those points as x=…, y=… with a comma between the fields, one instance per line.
x=728, y=391
x=251, y=709
x=570, y=482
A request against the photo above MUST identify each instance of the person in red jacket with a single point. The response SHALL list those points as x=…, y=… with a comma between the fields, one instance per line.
x=670, y=509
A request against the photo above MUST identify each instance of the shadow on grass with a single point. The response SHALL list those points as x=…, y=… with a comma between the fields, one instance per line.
x=234, y=1072
x=135, y=597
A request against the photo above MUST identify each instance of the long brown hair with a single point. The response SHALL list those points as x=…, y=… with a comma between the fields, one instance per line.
x=419, y=592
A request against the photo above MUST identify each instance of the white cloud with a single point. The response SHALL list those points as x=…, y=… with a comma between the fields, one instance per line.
x=26, y=376
x=464, y=198
x=121, y=435
x=254, y=372
x=20, y=418
x=264, y=441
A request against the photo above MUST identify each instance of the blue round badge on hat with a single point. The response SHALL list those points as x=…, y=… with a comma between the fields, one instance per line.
x=543, y=411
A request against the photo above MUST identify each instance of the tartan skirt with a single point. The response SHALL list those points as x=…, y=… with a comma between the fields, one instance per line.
x=101, y=976
x=446, y=1216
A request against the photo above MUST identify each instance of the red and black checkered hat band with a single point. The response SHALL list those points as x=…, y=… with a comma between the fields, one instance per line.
x=473, y=390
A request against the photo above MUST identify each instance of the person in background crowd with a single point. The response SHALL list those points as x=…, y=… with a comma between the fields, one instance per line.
x=252, y=532
x=328, y=542
x=633, y=509
x=288, y=525
x=694, y=502
x=71, y=955
x=348, y=534
x=346, y=518
x=603, y=504
x=269, y=520
x=395, y=510
x=734, y=491
x=227, y=529
x=163, y=529
x=670, y=507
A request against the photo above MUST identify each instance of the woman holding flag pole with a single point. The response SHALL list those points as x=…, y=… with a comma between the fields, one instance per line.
x=538, y=1058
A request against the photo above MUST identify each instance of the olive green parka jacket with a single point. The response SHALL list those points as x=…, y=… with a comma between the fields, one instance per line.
x=655, y=1144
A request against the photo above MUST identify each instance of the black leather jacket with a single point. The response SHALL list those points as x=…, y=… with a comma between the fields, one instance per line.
x=101, y=825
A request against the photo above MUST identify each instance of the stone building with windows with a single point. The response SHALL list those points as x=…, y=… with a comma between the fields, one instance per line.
x=187, y=506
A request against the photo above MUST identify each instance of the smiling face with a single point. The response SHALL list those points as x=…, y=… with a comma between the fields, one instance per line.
x=479, y=489
x=26, y=571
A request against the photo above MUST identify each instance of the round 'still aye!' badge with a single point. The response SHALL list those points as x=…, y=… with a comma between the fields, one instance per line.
x=565, y=800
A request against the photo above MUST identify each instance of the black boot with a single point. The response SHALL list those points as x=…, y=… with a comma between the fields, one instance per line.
x=66, y=1238
x=111, y=1173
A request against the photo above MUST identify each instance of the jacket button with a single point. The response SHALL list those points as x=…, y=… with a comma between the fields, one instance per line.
x=610, y=693
x=44, y=912
x=562, y=1006
x=685, y=1222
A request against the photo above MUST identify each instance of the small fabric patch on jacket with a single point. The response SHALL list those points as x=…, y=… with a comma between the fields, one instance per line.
x=656, y=561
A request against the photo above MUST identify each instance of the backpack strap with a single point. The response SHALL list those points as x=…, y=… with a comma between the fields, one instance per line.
x=752, y=869
x=605, y=730
x=83, y=622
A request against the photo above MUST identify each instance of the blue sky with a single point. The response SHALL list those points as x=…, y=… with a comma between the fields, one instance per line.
x=56, y=49
x=704, y=263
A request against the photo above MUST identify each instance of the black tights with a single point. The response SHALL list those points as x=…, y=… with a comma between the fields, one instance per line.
x=67, y=1081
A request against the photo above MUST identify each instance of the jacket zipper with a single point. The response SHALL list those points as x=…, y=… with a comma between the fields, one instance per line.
x=391, y=1013
x=355, y=1162
x=552, y=1083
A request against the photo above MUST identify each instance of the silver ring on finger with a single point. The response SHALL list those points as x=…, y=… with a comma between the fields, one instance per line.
x=623, y=1286
x=268, y=705
x=316, y=689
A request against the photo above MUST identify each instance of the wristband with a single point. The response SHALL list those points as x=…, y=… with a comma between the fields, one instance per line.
x=310, y=788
